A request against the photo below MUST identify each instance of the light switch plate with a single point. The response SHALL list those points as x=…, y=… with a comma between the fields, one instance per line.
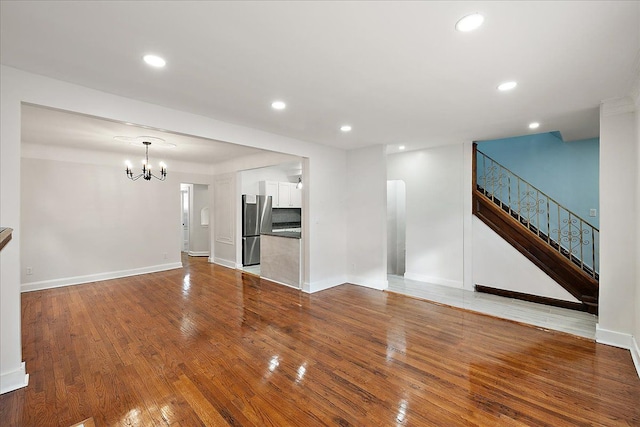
x=592, y=212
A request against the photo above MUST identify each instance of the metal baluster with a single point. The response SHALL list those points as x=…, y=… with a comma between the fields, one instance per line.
x=484, y=172
x=537, y=212
x=581, y=259
x=493, y=181
x=509, y=191
x=548, y=224
x=559, y=241
x=570, y=237
x=519, y=208
x=593, y=250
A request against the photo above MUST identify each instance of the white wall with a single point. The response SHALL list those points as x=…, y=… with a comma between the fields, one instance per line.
x=83, y=220
x=635, y=351
x=499, y=265
x=367, y=217
x=434, y=212
x=325, y=194
x=12, y=370
x=618, y=222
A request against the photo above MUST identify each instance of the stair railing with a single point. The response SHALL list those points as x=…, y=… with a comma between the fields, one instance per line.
x=561, y=228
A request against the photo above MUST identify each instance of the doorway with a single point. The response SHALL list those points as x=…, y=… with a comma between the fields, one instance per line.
x=396, y=227
x=184, y=206
x=194, y=219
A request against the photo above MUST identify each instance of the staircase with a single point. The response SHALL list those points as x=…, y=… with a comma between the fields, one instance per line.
x=558, y=241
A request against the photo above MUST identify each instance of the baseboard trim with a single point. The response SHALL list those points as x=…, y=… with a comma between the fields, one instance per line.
x=635, y=354
x=531, y=298
x=322, y=285
x=198, y=253
x=380, y=285
x=613, y=338
x=14, y=380
x=434, y=280
x=78, y=280
x=224, y=262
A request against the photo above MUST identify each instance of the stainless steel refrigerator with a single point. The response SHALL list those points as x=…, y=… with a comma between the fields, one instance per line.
x=256, y=217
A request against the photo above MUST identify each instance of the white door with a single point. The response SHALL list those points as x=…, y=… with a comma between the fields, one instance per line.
x=184, y=196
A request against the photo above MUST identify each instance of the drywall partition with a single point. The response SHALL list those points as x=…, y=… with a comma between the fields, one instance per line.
x=225, y=200
x=12, y=370
x=366, y=218
x=499, y=265
x=618, y=222
x=635, y=350
x=434, y=212
x=566, y=171
x=326, y=176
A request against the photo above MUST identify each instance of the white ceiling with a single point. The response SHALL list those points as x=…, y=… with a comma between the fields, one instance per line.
x=47, y=126
x=398, y=72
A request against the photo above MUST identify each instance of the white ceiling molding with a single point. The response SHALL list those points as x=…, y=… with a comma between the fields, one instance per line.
x=615, y=106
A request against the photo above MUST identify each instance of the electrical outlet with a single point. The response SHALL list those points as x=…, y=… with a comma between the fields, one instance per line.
x=593, y=212
x=29, y=271
x=165, y=255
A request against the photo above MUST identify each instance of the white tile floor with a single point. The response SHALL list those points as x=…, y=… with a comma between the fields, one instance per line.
x=544, y=316
x=252, y=269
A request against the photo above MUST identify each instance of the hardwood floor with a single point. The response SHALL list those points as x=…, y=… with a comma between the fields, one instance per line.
x=207, y=345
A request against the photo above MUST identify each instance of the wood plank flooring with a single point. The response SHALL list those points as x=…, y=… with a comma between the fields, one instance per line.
x=207, y=345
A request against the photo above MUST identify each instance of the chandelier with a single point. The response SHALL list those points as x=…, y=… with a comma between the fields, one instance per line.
x=146, y=173
x=146, y=168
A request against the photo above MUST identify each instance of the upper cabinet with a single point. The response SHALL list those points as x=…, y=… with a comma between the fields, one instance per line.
x=283, y=194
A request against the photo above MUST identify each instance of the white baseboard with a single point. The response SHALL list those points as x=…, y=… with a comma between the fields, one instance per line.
x=14, y=380
x=224, y=262
x=369, y=283
x=434, y=280
x=635, y=354
x=313, y=287
x=613, y=338
x=198, y=253
x=77, y=280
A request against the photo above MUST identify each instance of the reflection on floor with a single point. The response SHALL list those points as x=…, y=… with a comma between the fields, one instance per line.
x=548, y=317
x=252, y=269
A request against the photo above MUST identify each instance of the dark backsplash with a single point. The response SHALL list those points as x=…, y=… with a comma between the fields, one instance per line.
x=286, y=218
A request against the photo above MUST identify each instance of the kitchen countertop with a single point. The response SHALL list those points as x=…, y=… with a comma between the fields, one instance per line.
x=287, y=234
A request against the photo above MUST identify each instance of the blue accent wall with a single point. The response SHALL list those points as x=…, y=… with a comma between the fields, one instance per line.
x=567, y=171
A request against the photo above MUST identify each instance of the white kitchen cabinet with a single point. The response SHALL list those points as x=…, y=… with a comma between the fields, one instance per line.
x=269, y=188
x=283, y=194
x=296, y=196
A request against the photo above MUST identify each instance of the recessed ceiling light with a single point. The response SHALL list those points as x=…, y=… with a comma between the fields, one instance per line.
x=345, y=128
x=401, y=147
x=278, y=105
x=534, y=125
x=469, y=22
x=155, y=61
x=507, y=86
